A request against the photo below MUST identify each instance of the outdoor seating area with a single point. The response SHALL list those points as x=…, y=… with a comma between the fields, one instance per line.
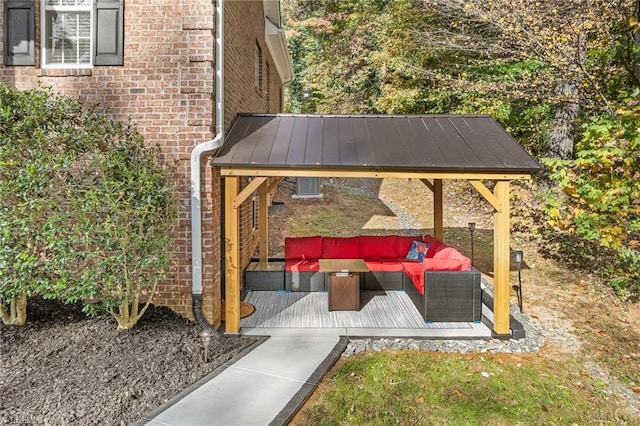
x=438, y=279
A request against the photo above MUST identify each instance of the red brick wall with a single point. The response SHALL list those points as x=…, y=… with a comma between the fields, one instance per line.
x=167, y=88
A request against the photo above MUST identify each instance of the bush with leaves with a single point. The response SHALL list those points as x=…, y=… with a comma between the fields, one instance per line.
x=600, y=200
x=86, y=208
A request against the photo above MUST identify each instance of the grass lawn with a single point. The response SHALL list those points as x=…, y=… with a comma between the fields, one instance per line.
x=418, y=388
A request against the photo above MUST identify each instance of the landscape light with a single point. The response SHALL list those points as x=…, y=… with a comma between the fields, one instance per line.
x=472, y=227
x=205, y=335
x=519, y=256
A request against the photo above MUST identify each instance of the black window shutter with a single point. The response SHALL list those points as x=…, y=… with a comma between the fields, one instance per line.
x=109, y=41
x=19, y=32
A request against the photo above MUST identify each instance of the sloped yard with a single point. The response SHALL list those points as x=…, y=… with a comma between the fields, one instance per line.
x=62, y=368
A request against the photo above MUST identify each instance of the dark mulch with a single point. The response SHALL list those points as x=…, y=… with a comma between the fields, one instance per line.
x=64, y=368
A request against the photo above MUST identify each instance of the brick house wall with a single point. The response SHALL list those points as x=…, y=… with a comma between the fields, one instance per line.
x=166, y=86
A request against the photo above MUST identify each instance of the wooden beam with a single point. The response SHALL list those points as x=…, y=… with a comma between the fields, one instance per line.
x=428, y=184
x=487, y=194
x=274, y=182
x=438, y=215
x=370, y=173
x=501, y=261
x=247, y=191
x=232, y=255
x=263, y=222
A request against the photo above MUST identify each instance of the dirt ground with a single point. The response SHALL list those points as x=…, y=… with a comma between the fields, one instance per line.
x=63, y=368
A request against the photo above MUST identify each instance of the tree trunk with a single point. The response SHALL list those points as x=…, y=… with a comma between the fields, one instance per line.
x=17, y=314
x=567, y=109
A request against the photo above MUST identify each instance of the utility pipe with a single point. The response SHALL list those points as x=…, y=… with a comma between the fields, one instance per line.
x=196, y=159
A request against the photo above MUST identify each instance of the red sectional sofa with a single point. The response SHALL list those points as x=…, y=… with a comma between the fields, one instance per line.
x=443, y=287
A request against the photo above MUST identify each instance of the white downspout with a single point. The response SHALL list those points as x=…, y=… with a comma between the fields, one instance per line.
x=196, y=158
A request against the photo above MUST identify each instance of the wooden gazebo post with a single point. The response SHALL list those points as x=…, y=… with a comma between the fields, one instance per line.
x=232, y=255
x=501, y=260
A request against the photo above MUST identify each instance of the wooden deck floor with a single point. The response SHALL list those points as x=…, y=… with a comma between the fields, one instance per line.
x=379, y=309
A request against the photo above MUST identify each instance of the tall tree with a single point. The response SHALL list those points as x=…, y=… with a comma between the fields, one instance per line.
x=566, y=36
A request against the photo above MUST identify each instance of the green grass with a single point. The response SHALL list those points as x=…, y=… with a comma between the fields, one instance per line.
x=417, y=388
x=346, y=217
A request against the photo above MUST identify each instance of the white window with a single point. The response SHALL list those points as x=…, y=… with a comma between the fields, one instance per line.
x=67, y=33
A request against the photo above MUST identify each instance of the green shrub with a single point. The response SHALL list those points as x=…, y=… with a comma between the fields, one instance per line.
x=600, y=198
x=86, y=207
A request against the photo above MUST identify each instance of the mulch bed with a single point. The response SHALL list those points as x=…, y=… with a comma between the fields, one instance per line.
x=64, y=368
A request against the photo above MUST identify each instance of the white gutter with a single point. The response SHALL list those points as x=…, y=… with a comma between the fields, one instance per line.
x=196, y=162
x=276, y=41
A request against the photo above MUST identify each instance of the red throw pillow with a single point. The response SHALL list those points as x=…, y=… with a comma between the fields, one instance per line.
x=403, y=245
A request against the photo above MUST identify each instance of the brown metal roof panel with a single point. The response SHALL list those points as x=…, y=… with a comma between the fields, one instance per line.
x=314, y=144
x=249, y=138
x=380, y=146
x=330, y=145
x=293, y=138
x=264, y=139
x=398, y=145
x=362, y=138
x=424, y=148
x=468, y=148
x=469, y=129
x=445, y=142
x=231, y=142
x=505, y=147
x=281, y=145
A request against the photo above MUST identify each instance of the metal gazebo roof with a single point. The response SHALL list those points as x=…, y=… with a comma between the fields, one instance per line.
x=424, y=143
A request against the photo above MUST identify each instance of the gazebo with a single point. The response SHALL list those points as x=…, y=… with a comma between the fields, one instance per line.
x=431, y=148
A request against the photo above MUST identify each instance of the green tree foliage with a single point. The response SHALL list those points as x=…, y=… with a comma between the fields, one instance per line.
x=600, y=199
x=536, y=67
x=541, y=69
x=85, y=207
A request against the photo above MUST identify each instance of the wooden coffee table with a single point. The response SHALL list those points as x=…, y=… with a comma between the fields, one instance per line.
x=343, y=282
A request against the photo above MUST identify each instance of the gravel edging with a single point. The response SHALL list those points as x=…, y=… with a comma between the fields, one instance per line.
x=530, y=344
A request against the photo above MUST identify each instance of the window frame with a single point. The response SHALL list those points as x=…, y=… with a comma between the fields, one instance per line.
x=43, y=35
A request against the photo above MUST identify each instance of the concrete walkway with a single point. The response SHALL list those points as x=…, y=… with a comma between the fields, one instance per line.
x=271, y=381
x=264, y=387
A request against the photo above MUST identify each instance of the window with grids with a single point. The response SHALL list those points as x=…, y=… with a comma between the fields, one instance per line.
x=73, y=33
x=67, y=33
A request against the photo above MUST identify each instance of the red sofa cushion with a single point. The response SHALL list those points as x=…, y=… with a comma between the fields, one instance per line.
x=434, y=245
x=299, y=265
x=303, y=247
x=388, y=265
x=415, y=272
x=442, y=265
x=449, y=253
x=341, y=248
x=383, y=246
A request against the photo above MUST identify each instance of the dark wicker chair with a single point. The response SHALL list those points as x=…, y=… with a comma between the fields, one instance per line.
x=450, y=296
